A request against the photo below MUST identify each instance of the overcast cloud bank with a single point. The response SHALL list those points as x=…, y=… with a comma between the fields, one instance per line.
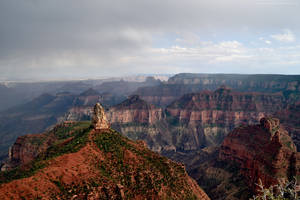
x=82, y=39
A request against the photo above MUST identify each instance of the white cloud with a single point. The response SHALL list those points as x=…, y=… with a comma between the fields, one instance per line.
x=268, y=42
x=287, y=36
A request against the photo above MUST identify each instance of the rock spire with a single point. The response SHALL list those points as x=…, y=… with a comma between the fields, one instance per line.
x=99, y=120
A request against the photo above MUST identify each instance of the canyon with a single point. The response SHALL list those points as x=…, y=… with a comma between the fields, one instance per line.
x=211, y=123
x=181, y=84
x=195, y=121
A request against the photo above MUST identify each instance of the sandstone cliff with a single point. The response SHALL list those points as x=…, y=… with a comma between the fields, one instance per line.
x=134, y=110
x=263, y=151
x=211, y=115
x=250, y=152
x=195, y=121
x=26, y=148
x=139, y=120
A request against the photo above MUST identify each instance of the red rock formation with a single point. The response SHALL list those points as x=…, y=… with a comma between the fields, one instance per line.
x=290, y=119
x=263, y=151
x=97, y=164
x=214, y=114
x=24, y=150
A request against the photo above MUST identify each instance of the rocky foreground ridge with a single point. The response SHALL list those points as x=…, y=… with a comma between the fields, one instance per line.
x=79, y=160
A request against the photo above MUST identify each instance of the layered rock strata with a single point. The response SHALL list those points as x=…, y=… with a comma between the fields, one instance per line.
x=214, y=114
x=135, y=110
x=264, y=151
x=184, y=83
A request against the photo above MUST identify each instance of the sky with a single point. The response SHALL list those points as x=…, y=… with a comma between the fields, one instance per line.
x=71, y=39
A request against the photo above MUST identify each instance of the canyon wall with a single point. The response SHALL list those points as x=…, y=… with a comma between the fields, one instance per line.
x=180, y=84
x=195, y=121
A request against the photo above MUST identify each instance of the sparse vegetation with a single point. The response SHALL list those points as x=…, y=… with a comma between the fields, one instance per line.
x=79, y=133
x=282, y=191
x=138, y=178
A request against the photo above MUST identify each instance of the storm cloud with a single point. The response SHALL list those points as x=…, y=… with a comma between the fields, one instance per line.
x=55, y=39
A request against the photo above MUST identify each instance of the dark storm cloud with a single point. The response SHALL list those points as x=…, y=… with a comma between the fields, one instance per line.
x=59, y=35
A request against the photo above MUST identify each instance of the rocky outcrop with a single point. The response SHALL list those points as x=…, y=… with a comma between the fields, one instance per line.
x=264, y=151
x=99, y=120
x=26, y=148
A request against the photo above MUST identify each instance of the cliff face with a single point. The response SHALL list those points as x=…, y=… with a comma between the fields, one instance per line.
x=139, y=120
x=134, y=110
x=195, y=121
x=82, y=106
x=263, y=151
x=28, y=147
x=290, y=119
x=86, y=163
x=214, y=114
x=181, y=84
x=256, y=82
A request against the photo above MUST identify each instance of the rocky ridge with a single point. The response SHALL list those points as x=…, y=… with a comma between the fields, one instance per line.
x=95, y=163
x=181, y=84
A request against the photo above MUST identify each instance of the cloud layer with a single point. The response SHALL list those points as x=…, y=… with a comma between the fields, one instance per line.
x=81, y=39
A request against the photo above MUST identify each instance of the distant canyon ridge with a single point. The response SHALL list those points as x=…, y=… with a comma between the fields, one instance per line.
x=186, y=113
